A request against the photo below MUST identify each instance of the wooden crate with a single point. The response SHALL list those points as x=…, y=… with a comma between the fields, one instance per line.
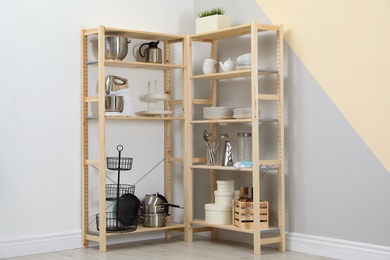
x=243, y=214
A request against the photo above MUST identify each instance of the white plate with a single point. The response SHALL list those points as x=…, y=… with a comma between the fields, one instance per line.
x=217, y=117
x=243, y=67
x=153, y=113
x=154, y=97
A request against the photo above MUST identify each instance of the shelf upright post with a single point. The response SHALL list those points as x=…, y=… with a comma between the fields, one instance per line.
x=102, y=140
x=84, y=138
x=167, y=133
x=280, y=106
x=255, y=139
x=188, y=141
x=213, y=130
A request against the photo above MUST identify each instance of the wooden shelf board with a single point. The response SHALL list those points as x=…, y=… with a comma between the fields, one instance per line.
x=234, y=31
x=139, y=65
x=245, y=120
x=201, y=222
x=232, y=74
x=141, y=118
x=94, y=234
x=152, y=36
x=263, y=167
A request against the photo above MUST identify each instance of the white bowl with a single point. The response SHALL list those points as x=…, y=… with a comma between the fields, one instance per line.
x=244, y=59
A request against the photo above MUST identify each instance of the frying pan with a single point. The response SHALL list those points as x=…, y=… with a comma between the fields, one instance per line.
x=158, y=199
x=127, y=209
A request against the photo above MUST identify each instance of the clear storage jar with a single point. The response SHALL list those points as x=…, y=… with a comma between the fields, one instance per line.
x=244, y=152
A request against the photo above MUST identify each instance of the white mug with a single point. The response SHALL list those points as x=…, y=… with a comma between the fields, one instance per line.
x=208, y=69
x=211, y=62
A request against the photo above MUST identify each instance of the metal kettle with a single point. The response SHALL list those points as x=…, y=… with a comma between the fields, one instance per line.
x=115, y=83
x=152, y=53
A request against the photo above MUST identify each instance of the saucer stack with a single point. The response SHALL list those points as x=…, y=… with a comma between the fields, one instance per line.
x=217, y=112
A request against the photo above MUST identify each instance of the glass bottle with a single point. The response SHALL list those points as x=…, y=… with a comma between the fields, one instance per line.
x=244, y=194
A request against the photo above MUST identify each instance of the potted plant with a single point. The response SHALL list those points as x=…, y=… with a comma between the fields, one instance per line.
x=210, y=20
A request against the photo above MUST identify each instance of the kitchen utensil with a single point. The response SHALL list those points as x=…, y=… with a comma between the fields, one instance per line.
x=227, y=155
x=228, y=65
x=114, y=103
x=115, y=83
x=221, y=137
x=152, y=53
x=153, y=209
x=116, y=48
x=128, y=207
x=155, y=220
x=159, y=200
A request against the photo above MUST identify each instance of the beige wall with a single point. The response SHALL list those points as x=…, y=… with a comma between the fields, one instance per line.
x=345, y=45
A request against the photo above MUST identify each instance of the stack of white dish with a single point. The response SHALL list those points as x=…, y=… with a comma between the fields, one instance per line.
x=217, y=112
x=243, y=113
x=220, y=212
x=243, y=62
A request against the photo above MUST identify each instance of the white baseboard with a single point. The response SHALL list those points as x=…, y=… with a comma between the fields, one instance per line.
x=321, y=246
x=40, y=244
x=335, y=248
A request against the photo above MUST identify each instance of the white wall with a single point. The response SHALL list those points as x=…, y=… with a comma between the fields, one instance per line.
x=40, y=133
x=40, y=145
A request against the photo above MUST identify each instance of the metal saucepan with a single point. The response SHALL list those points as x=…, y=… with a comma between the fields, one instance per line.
x=158, y=199
x=155, y=220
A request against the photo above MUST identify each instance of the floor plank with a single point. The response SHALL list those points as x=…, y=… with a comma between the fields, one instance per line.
x=172, y=249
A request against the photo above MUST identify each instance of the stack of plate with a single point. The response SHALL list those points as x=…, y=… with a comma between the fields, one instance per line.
x=217, y=112
x=243, y=113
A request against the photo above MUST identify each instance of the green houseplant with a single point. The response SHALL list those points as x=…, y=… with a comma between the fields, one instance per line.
x=212, y=19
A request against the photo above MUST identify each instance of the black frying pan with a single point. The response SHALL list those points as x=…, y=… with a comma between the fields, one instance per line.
x=127, y=209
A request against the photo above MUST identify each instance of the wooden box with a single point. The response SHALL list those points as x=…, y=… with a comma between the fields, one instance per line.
x=243, y=214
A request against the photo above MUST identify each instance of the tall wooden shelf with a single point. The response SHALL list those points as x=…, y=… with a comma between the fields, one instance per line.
x=102, y=120
x=192, y=166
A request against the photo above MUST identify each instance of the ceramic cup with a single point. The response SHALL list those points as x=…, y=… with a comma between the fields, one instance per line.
x=210, y=62
x=208, y=69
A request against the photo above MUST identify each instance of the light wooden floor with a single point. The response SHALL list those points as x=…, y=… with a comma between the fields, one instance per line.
x=175, y=248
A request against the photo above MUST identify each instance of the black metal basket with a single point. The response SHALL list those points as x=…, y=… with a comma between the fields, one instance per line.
x=125, y=163
x=126, y=222
x=112, y=190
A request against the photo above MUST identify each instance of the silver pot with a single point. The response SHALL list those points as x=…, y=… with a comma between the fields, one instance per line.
x=116, y=48
x=154, y=199
x=154, y=209
x=114, y=103
x=155, y=220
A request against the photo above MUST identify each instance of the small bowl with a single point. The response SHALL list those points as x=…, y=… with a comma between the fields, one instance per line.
x=244, y=59
x=114, y=103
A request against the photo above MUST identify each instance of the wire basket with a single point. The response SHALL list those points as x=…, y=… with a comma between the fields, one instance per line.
x=112, y=190
x=125, y=163
x=126, y=222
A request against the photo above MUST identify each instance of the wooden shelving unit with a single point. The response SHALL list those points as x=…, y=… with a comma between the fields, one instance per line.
x=191, y=165
x=197, y=165
x=87, y=98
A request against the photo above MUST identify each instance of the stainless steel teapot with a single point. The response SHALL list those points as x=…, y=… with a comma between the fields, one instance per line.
x=152, y=53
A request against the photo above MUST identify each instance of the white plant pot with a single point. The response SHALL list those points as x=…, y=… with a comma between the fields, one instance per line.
x=212, y=23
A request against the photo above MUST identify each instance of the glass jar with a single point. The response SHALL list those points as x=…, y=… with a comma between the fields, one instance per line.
x=244, y=152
